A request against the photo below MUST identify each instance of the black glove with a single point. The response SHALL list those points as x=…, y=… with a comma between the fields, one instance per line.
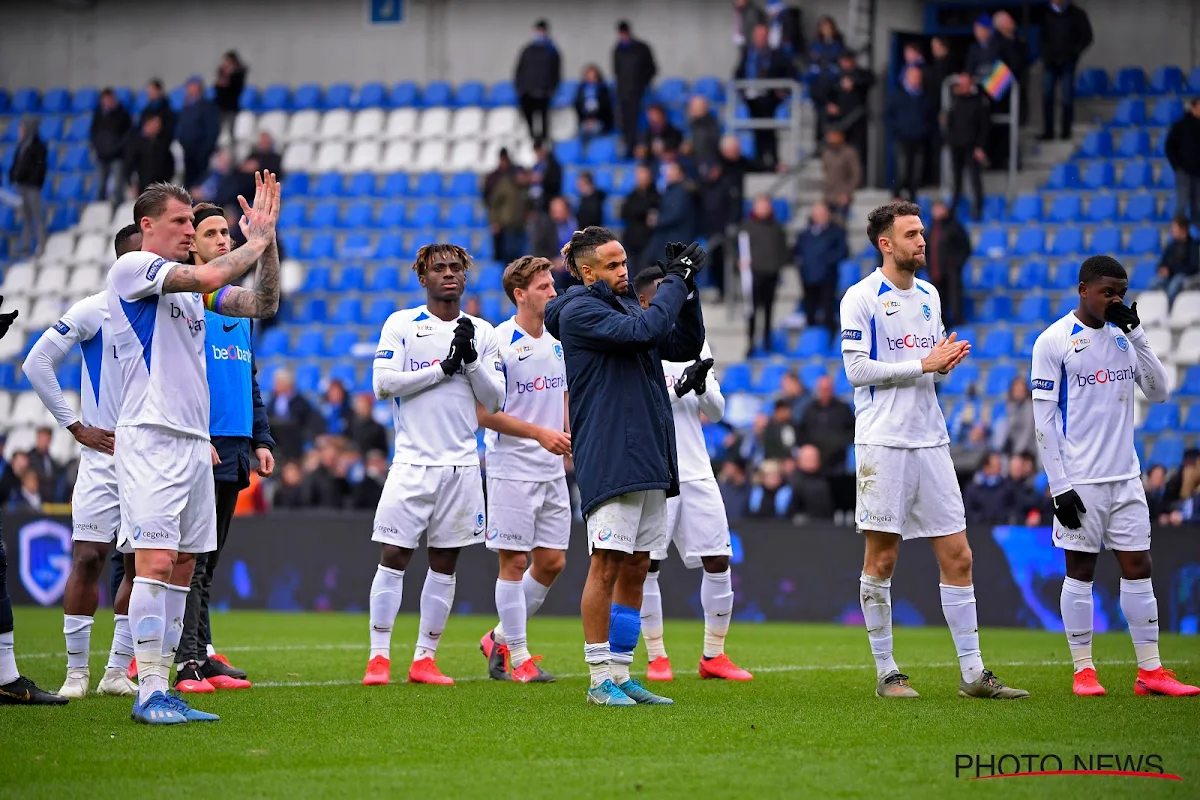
x=693, y=378
x=6, y=320
x=1123, y=316
x=462, y=346
x=686, y=262
x=1067, y=508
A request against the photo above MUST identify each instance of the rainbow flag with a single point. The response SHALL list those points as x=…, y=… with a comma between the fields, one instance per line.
x=997, y=83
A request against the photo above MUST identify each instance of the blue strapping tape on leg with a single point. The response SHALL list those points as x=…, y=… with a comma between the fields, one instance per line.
x=624, y=627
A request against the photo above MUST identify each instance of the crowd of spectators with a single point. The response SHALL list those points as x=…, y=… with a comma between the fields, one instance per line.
x=34, y=479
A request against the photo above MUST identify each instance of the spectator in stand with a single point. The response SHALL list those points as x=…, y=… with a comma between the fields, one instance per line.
x=158, y=105
x=326, y=485
x=770, y=497
x=151, y=160
x=735, y=488
x=1014, y=432
x=542, y=235
x=948, y=246
x=968, y=455
x=229, y=85
x=548, y=232
x=10, y=480
x=937, y=70
x=29, y=494
x=264, y=156
x=845, y=104
x=507, y=200
x=818, y=251
x=659, y=138
x=369, y=488
x=812, y=496
x=762, y=253
x=539, y=71
x=593, y=105
x=1029, y=506
x=828, y=425
x=843, y=172
x=823, y=70
x=704, y=135
x=984, y=52
x=197, y=132
x=777, y=435
x=747, y=15
x=721, y=207
x=220, y=184
x=293, y=420
x=762, y=62
x=1179, y=267
x=591, y=201
x=1014, y=52
x=1156, y=493
x=786, y=28
x=793, y=392
x=1183, y=152
x=676, y=220
x=967, y=126
x=111, y=126
x=290, y=492
x=545, y=177
x=1066, y=33
x=639, y=213
x=365, y=431
x=28, y=174
x=564, y=223
x=989, y=497
x=911, y=118
x=48, y=471
x=335, y=409
x=1174, y=493
x=634, y=69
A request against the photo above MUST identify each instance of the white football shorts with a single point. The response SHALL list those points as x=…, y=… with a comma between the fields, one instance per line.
x=443, y=503
x=522, y=515
x=95, y=504
x=696, y=523
x=912, y=492
x=165, y=482
x=1117, y=518
x=631, y=523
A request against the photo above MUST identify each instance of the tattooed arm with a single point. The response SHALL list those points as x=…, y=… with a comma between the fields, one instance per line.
x=261, y=302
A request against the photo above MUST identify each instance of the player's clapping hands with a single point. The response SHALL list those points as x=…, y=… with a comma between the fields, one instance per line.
x=258, y=220
x=694, y=378
x=685, y=261
x=6, y=320
x=462, y=348
x=946, y=355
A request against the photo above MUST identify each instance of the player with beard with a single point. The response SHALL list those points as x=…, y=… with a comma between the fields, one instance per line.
x=435, y=364
x=895, y=348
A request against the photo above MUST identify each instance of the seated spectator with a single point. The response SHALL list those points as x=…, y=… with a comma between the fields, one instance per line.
x=818, y=251
x=545, y=176
x=335, y=409
x=219, y=184
x=262, y=157
x=10, y=478
x=735, y=488
x=593, y=105
x=659, y=138
x=812, y=495
x=591, y=201
x=828, y=425
x=704, y=135
x=48, y=471
x=1030, y=507
x=770, y=496
x=365, y=431
x=29, y=495
x=777, y=437
x=639, y=213
x=1175, y=492
x=910, y=117
x=967, y=456
x=843, y=172
x=793, y=391
x=988, y=498
x=1179, y=267
x=369, y=488
x=1156, y=493
x=290, y=492
x=326, y=485
x=294, y=422
x=1014, y=431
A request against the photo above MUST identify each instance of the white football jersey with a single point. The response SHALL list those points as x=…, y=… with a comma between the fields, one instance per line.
x=86, y=324
x=694, y=464
x=434, y=427
x=536, y=381
x=1090, y=374
x=893, y=326
x=160, y=344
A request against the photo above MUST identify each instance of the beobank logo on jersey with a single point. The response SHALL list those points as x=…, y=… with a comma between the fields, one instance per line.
x=414, y=365
x=911, y=341
x=542, y=383
x=1103, y=376
x=230, y=353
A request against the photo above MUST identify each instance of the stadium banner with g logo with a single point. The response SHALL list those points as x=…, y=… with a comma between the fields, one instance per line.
x=324, y=561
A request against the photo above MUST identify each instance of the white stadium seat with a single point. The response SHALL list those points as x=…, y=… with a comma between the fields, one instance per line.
x=1152, y=308
x=45, y=312
x=1160, y=340
x=85, y=280
x=398, y=157
x=522, y=152
x=245, y=126
x=60, y=247
x=465, y=157
x=401, y=124
x=63, y=447
x=431, y=156
x=331, y=157
x=491, y=154
x=21, y=438
x=93, y=247
x=51, y=281
x=291, y=275
x=298, y=158
x=121, y=217
x=18, y=280
x=274, y=123
x=467, y=124
x=5, y=410
x=564, y=124
x=335, y=125
x=1185, y=312
x=95, y=218
x=12, y=345
x=302, y=127
x=435, y=124
x=365, y=157
x=1188, y=350
x=28, y=410
x=502, y=123
x=368, y=124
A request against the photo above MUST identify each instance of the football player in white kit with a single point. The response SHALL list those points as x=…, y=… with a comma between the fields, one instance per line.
x=435, y=364
x=1085, y=366
x=528, y=506
x=164, y=462
x=895, y=347
x=696, y=521
x=95, y=507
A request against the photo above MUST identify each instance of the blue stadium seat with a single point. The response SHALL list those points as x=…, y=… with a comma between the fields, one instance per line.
x=992, y=242
x=1167, y=450
x=345, y=374
x=1160, y=146
x=1105, y=240
x=1143, y=241
x=1033, y=309
x=1166, y=179
x=1137, y=175
x=328, y=185
x=429, y=184
x=735, y=378
x=1191, y=423
x=297, y=185
x=276, y=98
x=812, y=342
x=770, y=378
x=291, y=217
x=564, y=96
x=338, y=95
x=1032, y=241
x=1129, y=113
x=56, y=101
x=602, y=150
x=85, y=99
x=1033, y=274
x=343, y=343
x=849, y=274
x=80, y=129
x=370, y=95
x=1166, y=80
x=1098, y=175
x=308, y=378
x=1129, y=81
x=250, y=99
x=310, y=344
x=463, y=184
x=1133, y=143
x=348, y=311
x=357, y=215
x=316, y=279
x=1190, y=385
x=994, y=275
x=425, y=215
x=405, y=94
x=8, y=378
x=274, y=342
x=1101, y=208
x=393, y=214
x=437, y=93
x=356, y=245
x=378, y=310
x=995, y=308
x=1024, y=347
x=75, y=159
x=67, y=215
x=460, y=214
x=70, y=374
x=1028, y=208
x=391, y=245
x=175, y=98
x=25, y=101
x=320, y=246
x=1064, y=208
x=394, y=185
x=998, y=343
x=568, y=152
x=1166, y=111
x=51, y=128
x=384, y=279
x=348, y=279
x=711, y=87
x=491, y=308
x=306, y=97
x=310, y=310
x=1097, y=144
x=999, y=378
x=961, y=379
x=1067, y=303
x=68, y=188
x=1161, y=417
x=291, y=242
x=323, y=215
x=1193, y=83
x=1091, y=82
x=470, y=93
x=1142, y=275
x=1063, y=176
x=361, y=185
x=501, y=94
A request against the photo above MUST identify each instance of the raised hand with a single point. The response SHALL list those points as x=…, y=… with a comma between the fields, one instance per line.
x=464, y=334
x=258, y=221
x=694, y=378
x=1123, y=316
x=686, y=263
x=946, y=355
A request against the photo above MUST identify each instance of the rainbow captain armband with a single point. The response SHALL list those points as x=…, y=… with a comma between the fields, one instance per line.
x=212, y=300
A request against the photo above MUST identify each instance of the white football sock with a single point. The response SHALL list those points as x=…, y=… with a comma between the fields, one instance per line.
x=958, y=605
x=77, y=630
x=598, y=660
x=211, y=651
x=121, y=654
x=1076, y=605
x=8, y=661
x=535, y=594
x=875, y=598
x=175, y=607
x=510, y=604
x=716, y=598
x=1140, y=608
x=147, y=612
x=652, y=618
x=386, y=590
x=437, y=596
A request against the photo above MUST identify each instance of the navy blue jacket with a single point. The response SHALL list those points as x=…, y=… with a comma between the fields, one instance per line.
x=819, y=254
x=198, y=128
x=910, y=118
x=622, y=430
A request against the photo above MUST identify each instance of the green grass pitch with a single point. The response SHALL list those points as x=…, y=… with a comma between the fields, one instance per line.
x=808, y=726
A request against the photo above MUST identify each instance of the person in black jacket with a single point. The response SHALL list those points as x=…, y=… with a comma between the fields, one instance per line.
x=967, y=125
x=111, y=126
x=1179, y=266
x=539, y=71
x=293, y=420
x=911, y=120
x=151, y=160
x=1183, y=153
x=197, y=131
x=230, y=82
x=845, y=103
x=639, y=212
x=762, y=62
x=590, y=210
x=593, y=104
x=545, y=176
x=158, y=105
x=28, y=174
x=948, y=246
x=634, y=69
x=1066, y=33
x=659, y=138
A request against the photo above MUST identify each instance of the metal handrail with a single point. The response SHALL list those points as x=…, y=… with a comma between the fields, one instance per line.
x=1013, y=118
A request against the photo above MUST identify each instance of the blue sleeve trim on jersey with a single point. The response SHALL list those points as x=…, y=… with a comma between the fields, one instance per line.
x=62, y=327
x=1043, y=385
x=1062, y=397
x=874, y=348
x=142, y=315
x=851, y=335
x=93, y=359
x=921, y=288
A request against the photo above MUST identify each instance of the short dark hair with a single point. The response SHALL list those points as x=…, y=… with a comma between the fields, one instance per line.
x=646, y=277
x=623, y=26
x=426, y=253
x=880, y=221
x=156, y=83
x=1095, y=268
x=541, y=25
x=1155, y=466
x=520, y=273
x=587, y=175
x=121, y=240
x=106, y=91
x=583, y=244
x=152, y=202
x=1182, y=222
x=1025, y=454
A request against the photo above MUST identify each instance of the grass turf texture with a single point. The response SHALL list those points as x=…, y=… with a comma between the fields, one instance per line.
x=809, y=724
